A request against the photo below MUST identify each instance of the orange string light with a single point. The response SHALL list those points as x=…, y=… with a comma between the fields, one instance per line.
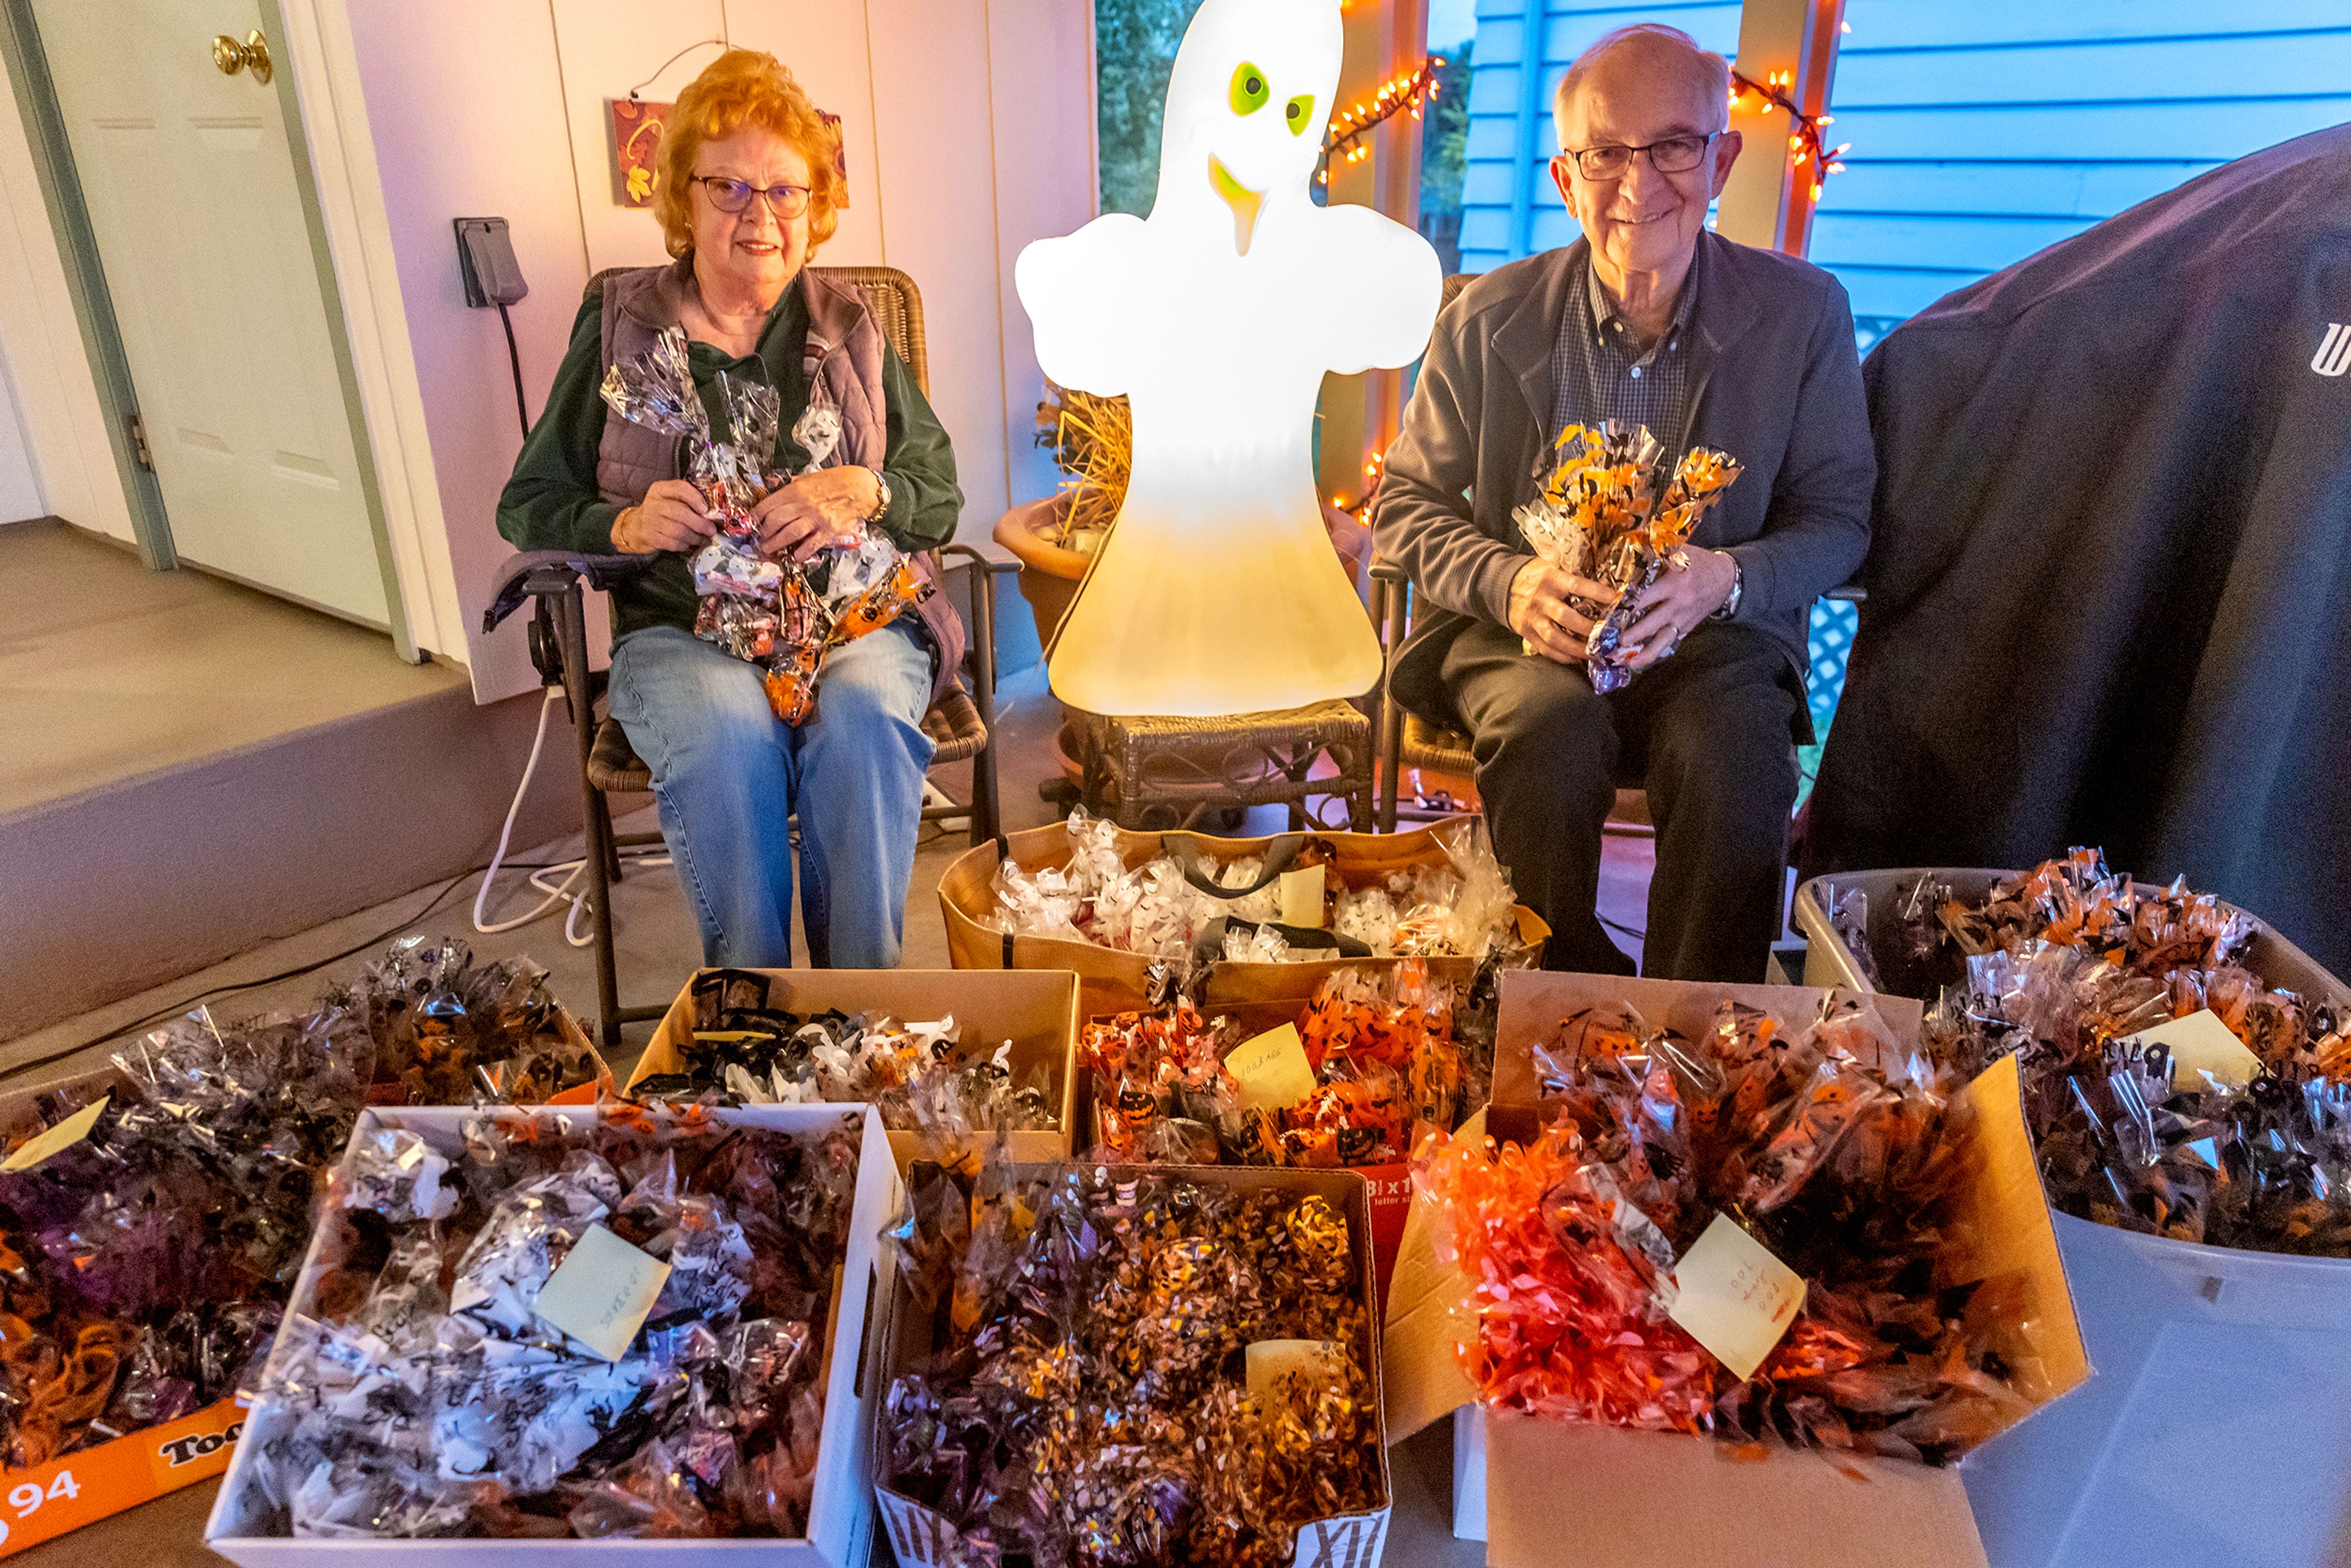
x=1395, y=95
x=1804, y=139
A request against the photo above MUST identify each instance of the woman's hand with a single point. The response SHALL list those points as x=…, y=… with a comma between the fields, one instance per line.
x=817, y=511
x=672, y=516
x=1541, y=611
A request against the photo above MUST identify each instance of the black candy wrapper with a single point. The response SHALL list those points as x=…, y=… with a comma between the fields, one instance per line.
x=144, y=1267
x=420, y=1394
x=1089, y=1405
x=450, y=1031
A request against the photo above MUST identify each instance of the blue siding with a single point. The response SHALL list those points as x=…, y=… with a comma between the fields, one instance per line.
x=1983, y=130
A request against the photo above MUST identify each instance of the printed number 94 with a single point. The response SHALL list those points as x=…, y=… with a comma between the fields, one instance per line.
x=26, y=1496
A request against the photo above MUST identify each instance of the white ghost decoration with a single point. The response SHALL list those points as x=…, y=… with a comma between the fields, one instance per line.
x=1217, y=590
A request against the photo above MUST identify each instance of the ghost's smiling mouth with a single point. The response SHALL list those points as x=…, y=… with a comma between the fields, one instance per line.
x=1244, y=202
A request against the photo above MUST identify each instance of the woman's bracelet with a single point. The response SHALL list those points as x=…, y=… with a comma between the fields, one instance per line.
x=882, y=502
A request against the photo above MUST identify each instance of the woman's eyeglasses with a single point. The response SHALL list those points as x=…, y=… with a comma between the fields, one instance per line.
x=787, y=202
x=1673, y=155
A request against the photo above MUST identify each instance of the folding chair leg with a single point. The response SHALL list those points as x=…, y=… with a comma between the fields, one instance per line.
x=593, y=820
x=987, y=808
x=611, y=839
x=1389, y=787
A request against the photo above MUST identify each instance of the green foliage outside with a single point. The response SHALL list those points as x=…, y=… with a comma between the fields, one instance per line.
x=1444, y=162
x=1134, y=51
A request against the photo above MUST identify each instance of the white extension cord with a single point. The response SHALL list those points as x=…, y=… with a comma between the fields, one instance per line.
x=557, y=892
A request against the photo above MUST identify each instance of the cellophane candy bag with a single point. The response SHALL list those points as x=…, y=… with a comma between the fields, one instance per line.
x=1086, y=1402
x=1827, y=1144
x=422, y=1394
x=144, y=1267
x=1607, y=514
x=2066, y=966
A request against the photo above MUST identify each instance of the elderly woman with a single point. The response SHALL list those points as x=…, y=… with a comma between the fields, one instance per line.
x=749, y=187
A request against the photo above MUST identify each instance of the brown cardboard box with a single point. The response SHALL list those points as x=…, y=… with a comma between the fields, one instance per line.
x=1036, y=1009
x=1648, y=1497
x=389, y=1092
x=922, y=1538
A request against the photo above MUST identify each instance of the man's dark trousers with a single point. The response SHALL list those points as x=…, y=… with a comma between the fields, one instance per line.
x=1709, y=731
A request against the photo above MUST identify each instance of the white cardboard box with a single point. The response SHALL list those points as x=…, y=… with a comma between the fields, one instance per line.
x=841, y=1513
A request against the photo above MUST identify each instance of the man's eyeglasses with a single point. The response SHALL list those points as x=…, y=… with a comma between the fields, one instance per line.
x=1673, y=155
x=785, y=202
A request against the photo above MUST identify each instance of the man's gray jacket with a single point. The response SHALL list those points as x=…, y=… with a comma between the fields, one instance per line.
x=1774, y=382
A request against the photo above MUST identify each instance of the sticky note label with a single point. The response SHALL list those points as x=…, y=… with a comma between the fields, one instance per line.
x=57, y=1139
x=1301, y=898
x=1271, y=1360
x=601, y=1292
x=2201, y=1043
x=1272, y=1070
x=1733, y=1297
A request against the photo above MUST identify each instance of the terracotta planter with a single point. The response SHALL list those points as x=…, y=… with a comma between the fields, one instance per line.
x=1050, y=574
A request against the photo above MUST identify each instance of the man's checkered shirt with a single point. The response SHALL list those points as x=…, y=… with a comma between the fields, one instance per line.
x=1598, y=369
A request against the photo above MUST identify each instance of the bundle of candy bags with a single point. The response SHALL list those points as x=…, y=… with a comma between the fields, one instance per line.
x=1602, y=515
x=777, y=614
x=1377, y=1064
x=1464, y=907
x=920, y=1076
x=421, y=1392
x=1822, y=1140
x=2068, y=967
x=145, y=1265
x=449, y=1031
x=1090, y=1403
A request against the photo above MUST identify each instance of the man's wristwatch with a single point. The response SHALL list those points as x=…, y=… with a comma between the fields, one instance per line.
x=882, y=498
x=1730, y=606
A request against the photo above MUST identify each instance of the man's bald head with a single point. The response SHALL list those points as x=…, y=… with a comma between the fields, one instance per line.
x=1650, y=58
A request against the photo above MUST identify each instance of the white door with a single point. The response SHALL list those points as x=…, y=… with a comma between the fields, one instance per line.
x=192, y=196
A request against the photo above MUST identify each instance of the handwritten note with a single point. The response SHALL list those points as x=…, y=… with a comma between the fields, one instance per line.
x=2201, y=1043
x=601, y=1294
x=1269, y=1361
x=1272, y=1070
x=57, y=1139
x=1301, y=898
x=1733, y=1297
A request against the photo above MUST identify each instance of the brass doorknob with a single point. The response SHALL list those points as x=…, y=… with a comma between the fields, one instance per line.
x=233, y=56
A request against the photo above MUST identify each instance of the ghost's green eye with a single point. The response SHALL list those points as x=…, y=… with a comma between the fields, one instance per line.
x=1250, y=90
x=1301, y=113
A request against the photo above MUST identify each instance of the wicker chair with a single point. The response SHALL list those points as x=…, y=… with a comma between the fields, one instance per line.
x=961, y=723
x=1406, y=740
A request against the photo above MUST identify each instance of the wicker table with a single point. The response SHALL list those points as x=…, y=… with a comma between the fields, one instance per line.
x=1150, y=773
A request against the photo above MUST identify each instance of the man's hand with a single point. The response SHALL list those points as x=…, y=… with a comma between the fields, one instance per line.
x=1540, y=612
x=672, y=516
x=816, y=511
x=1683, y=595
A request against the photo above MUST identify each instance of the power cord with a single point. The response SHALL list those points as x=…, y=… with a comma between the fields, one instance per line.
x=513, y=358
x=557, y=892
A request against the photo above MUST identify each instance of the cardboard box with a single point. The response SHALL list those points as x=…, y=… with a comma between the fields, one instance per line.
x=1036, y=1009
x=841, y=1517
x=45, y=1501
x=1651, y=1496
x=923, y=1539
x=1279, y=998
x=1115, y=980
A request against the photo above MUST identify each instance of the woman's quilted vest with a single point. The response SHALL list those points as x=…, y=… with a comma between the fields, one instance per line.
x=844, y=352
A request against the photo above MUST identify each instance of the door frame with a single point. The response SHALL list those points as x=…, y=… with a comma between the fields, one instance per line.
x=68, y=212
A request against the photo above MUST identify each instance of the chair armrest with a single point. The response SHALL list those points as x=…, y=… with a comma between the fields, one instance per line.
x=1850, y=593
x=1387, y=571
x=979, y=562
x=546, y=572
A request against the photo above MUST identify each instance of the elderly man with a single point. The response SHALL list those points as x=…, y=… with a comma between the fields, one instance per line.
x=1651, y=319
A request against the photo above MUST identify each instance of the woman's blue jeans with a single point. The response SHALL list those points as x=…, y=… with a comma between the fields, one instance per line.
x=728, y=775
